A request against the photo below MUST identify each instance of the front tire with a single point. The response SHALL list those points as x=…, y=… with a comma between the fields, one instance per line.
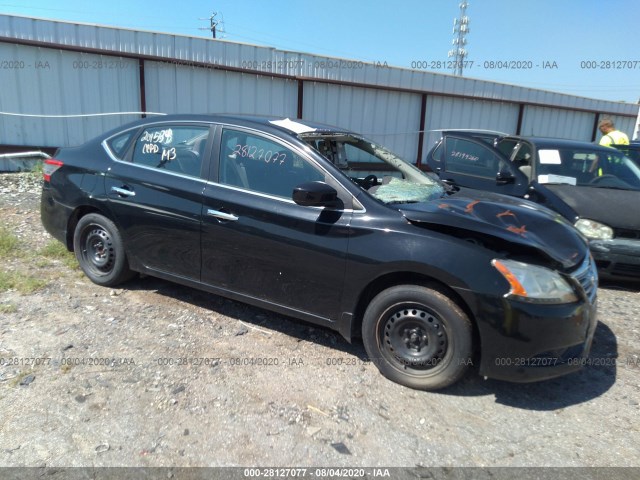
x=98, y=247
x=417, y=337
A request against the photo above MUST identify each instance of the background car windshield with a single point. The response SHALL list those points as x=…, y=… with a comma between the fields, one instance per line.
x=595, y=168
x=380, y=172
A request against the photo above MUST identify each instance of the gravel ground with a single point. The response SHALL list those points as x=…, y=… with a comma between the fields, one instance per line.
x=155, y=375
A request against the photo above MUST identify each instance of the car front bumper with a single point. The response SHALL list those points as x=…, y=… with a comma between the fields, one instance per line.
x=617, y=258
x=525, y=342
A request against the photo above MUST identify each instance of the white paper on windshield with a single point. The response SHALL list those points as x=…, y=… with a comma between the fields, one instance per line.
x=550, y=157
x=296, y=127
x=556, y=179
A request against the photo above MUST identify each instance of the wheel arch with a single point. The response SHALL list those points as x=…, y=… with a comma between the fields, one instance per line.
x=75, y=217
x=408, y=278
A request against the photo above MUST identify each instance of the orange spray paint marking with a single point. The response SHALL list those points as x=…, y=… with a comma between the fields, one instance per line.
x=519, y=230
x=469, y=208
x=506, y=213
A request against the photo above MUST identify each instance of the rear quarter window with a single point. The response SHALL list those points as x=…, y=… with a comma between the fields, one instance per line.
x=118, y=144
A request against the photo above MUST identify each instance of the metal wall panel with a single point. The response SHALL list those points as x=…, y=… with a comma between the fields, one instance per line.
x=453, y=113
x=277, y=61
x=389, y=118
x=54, y=82
x=174, y=88
x=550, y=122
x=394, y=109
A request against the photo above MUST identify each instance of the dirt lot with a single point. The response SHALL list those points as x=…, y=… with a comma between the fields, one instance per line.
x=156, y=374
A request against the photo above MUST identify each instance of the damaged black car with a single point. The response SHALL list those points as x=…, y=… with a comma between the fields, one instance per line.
x=596, y=188
x=321, y=224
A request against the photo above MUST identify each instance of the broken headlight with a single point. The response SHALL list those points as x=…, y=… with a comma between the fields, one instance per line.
x=535, y=284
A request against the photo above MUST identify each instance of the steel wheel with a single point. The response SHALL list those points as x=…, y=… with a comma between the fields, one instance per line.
x=414, y=337
x=99, y=250
x=417, y=337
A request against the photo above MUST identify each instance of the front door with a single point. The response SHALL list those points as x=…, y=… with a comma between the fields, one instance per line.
x=257, y=242
x=472, y=163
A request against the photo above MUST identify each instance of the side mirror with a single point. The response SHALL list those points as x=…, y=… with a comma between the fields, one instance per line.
x=315, y=194
x=504, y=178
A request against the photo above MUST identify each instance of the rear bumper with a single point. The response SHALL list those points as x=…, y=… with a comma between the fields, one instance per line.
x=54, y=216
x=528, y=342
x=617, y=258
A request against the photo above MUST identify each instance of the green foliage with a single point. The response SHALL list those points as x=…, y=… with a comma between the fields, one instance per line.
x=57, y=251
x=20, y=282
x=8, y=243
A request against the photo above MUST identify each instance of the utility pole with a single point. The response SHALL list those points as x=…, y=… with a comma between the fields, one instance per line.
x=213, y=24
x=460, y=29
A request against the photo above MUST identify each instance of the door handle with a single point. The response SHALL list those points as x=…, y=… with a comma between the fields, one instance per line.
x=123, y=191
x=222, y=215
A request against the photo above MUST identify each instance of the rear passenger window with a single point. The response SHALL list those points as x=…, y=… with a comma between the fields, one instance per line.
x=177, y=149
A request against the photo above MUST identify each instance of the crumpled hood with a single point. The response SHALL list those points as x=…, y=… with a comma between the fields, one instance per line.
x=516, y=220
x=616, y=208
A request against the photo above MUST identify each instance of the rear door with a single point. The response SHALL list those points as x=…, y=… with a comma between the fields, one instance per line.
x=257, y=242
x=472, y=163
x=155, y=196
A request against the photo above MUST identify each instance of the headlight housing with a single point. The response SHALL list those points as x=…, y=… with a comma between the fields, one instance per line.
x=594, y=230
x=535, y=284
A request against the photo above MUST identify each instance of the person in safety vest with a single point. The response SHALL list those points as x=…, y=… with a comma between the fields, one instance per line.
x=611, y=136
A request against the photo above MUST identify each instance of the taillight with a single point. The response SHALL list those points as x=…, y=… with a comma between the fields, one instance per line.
x=50, y=166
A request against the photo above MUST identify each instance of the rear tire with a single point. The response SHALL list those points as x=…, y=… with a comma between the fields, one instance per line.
x=417, y=337
x=98, y=247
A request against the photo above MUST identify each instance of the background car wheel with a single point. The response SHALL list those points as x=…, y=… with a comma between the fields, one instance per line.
x=417, y=337
x=99, y=250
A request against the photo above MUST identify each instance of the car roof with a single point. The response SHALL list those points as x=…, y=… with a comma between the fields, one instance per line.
x=539, y=142
x=470, y=131
x=282, y=124
x=549, y=142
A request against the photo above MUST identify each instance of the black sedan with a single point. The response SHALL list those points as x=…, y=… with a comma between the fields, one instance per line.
x=632, y=151
x=320, y=224
x=593, y=187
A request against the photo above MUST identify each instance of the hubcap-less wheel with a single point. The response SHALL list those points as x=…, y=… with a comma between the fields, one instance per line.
x=415, y=338
x=98, y=250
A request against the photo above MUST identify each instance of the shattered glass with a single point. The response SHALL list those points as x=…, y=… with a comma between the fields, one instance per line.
x=403, y=191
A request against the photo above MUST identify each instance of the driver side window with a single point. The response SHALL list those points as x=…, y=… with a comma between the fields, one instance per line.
x=257, y=163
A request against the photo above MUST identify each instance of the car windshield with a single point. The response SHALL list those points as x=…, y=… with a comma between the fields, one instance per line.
x=380, y=172
x=587, y=167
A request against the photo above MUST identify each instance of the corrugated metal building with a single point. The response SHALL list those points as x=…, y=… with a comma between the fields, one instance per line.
x=51, y=69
